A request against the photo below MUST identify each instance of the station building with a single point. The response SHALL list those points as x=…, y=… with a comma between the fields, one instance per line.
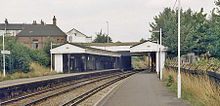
x=79, y=57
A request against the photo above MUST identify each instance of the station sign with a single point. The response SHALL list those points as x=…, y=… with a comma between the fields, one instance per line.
x=5, y=52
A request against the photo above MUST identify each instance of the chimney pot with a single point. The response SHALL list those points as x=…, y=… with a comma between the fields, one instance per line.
x=54, y=20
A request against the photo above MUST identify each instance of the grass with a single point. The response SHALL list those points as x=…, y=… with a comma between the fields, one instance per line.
x=139, y=62
x=197, y=90
x=37, y=70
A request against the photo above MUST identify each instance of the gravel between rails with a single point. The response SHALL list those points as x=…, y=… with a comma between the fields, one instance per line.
x=26, y=100
x=91, y=101
x=60, y=99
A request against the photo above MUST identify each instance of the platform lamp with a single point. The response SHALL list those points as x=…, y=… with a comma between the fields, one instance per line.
x=107, y=23
x=160, y=62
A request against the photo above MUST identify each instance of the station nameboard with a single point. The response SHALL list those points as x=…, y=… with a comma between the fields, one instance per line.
x=5, y=52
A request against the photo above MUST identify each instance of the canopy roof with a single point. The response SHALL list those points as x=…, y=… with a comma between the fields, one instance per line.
x=79, y=49
x=147, y=47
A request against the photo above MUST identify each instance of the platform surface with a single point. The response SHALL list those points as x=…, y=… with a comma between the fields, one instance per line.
x=142, y=89
x=49, y=77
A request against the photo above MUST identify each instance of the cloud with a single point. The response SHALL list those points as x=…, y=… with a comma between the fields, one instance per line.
x=129, y=19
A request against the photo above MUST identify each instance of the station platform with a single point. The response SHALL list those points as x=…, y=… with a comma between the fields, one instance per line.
x=142, y=89
x=9, y=83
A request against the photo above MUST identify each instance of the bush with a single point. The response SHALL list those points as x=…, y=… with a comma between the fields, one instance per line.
x=170, y=80
x=40, y=57
x=19, y=58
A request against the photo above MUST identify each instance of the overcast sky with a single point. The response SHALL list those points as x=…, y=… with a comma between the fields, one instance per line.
x=128, y=19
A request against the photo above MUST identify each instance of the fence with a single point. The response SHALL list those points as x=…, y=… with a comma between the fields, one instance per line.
x=196, y=71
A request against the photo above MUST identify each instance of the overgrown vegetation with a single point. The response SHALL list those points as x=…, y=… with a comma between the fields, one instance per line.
x=139, y=62
x=204, y=64
x=199, y=34
x=21, y=59
x=36, y=70
x=197, y=90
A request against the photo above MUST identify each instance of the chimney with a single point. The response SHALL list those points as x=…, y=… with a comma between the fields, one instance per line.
x=6, y=21
x=54, y=20
x=34, y=22
x=41, y=22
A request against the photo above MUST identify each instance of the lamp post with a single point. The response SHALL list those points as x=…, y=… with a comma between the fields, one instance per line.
x=160, y=62
x=107, y=23
x=179, y=75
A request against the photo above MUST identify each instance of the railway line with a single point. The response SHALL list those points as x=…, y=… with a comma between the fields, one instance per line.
x=51, y=94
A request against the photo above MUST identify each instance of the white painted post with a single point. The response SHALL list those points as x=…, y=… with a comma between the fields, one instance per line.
x=157, y=62
x=179, y=75
x=51, y=56
x=4, y=50
x=161, y=71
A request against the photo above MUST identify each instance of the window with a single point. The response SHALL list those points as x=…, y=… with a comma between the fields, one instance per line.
x=35, y=44
x=58, y=40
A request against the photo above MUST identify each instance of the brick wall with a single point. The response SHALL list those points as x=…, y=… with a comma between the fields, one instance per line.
x=41, y=40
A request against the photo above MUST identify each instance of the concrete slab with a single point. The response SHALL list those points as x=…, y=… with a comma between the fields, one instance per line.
x=142, y=89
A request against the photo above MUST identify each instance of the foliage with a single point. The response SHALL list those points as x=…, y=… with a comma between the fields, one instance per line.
x=19, y=59
x=36, y=71
x=40, y=57
x=143, y=40
x=21, y=56
x=198, y=90
x=102, y=38
x=47, y=46
x=191, y=24
x=139, y=62
x=170, y=80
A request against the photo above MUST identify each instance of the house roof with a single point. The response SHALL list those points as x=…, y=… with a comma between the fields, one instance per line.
x=41, y=30
x=11, y=26
x=69, y=32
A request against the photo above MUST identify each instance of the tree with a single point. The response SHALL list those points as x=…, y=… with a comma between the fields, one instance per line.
x=143, y=40
x=19, y=59
x=102, y=38
x=191, y=22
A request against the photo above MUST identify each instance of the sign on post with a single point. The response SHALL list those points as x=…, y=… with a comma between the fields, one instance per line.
x=5, y=52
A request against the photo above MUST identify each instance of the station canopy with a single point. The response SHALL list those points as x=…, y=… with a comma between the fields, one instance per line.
x=147, y=47
x=71, y=48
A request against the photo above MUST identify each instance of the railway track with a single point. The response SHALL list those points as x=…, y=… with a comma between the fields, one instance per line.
x=82, y=97
x=52, y=92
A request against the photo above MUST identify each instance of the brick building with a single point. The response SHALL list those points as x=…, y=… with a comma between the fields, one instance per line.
x=34, y=35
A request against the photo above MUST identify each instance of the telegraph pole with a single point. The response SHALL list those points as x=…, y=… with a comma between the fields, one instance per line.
x=179, y=75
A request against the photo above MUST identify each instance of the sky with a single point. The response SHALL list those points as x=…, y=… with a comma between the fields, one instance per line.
x=128, y=19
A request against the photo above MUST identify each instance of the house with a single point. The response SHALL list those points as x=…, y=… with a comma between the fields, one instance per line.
x=75, y=36
x=34, y=35
x=11, y=29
